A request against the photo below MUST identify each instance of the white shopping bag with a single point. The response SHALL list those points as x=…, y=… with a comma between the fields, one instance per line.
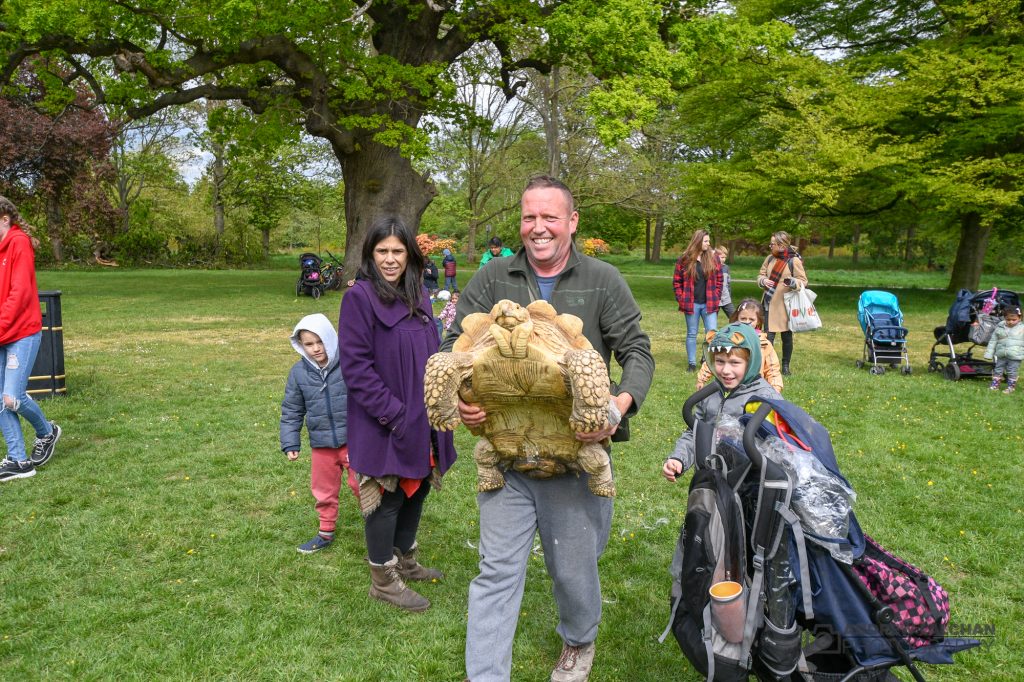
x=803, y=317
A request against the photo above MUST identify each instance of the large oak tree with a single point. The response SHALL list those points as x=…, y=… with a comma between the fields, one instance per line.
x=361, y=76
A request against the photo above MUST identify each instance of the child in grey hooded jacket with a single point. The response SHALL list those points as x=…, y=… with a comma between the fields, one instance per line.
x=316, y=393
x=735, y=360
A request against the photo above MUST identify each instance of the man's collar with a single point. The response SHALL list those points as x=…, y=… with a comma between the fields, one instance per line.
x=521, y=261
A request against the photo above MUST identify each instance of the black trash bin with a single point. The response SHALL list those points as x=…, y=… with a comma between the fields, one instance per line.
x=47, y=379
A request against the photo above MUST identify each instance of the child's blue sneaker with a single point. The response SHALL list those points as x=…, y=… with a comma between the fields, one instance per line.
x=315, y=545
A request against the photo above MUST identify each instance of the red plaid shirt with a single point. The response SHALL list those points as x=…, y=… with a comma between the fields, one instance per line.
x=683, y=284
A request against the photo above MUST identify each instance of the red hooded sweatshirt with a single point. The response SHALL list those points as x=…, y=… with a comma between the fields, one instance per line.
x=20, y=314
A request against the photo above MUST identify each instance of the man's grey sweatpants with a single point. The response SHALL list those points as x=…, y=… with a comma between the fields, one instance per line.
x=574, y=525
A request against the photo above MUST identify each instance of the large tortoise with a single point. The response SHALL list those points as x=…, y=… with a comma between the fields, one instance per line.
x=539, y=381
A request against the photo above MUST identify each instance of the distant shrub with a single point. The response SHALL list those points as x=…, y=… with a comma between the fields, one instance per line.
x=594, y=246
x=432, y=244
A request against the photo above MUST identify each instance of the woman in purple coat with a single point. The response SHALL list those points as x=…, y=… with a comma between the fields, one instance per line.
x=387, y=332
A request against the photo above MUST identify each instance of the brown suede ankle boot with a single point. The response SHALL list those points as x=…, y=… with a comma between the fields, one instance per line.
x=410, y=569
x=389, y=587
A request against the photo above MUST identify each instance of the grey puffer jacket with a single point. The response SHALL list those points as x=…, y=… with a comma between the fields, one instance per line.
x=718, y=403
x=1007, y=343
x=315, y=394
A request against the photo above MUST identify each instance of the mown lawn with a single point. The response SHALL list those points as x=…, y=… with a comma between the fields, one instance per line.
x=160, y=540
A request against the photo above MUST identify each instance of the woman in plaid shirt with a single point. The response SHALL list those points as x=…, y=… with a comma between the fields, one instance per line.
x=698, y=284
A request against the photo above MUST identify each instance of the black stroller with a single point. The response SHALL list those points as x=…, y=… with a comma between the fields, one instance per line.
x=972, y=319
x=813, y=598
x=317, y=276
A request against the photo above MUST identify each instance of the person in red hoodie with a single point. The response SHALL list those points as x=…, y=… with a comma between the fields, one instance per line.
x=21, y=329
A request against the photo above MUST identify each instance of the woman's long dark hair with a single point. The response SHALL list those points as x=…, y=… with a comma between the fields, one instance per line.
x=409, y=288
x=695, y=252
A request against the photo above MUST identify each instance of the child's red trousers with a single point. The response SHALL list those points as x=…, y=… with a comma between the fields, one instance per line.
x=328, y=467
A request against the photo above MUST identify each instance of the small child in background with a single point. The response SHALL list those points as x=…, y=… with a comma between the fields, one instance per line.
x=726, y=301
x=1007, y=348
x=447, y=315
x=430, y=276
x=448, y=263
x=750, y=312
x=317, y=394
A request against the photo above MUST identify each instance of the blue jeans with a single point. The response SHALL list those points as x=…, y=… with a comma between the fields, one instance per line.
x=18, y=358
x=450, y=284
x=692, y=321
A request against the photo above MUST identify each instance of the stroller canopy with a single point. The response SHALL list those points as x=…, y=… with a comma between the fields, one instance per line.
x=872, y=303
x=965, y=309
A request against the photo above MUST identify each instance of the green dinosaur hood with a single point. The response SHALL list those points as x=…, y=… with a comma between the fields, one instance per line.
x=738, y=335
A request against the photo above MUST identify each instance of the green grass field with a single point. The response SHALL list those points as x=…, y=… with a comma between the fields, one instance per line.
x=160, y=540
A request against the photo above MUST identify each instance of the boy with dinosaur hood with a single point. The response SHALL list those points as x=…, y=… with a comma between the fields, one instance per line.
x=735, y=353
x=316, y=393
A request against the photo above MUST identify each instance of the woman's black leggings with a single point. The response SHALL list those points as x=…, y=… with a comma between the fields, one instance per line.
x=394, y=523
x=787, y=345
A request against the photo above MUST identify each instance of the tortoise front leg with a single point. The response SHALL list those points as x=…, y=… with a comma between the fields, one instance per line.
x=587, y=380
x=443, y=376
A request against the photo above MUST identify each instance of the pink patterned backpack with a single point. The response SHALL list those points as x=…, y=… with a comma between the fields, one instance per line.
x=920, y=605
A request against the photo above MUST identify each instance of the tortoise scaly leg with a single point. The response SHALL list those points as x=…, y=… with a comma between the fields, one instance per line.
x=442, y=378
x=595, y=461
x=587, y=380
x=489, y=476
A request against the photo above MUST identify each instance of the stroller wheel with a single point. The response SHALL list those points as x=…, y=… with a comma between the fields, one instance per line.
x=951, y=372
x=877, y=369
x=934, y=366
x=906, y=369
x=860, y=364
x=298, y=288
x=316, y=292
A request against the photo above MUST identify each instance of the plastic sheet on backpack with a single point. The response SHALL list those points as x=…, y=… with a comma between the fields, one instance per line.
x=728, y=441
x=821, y=501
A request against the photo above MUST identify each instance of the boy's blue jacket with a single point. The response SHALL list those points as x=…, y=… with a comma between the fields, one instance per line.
x=318, y=395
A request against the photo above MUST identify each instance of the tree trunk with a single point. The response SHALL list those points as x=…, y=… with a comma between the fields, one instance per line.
x=831, y=247
x=970, y=253
x=908, y=253
x=856, y=244
x=265, y=231
x=647, y=239
x=659, y=234
x=218, y=178
x=379, y=182
x=471, y=231
x=55, y=225
x=123, y=203
x=551, y=124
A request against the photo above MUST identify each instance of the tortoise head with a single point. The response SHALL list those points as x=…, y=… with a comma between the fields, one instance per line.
x=509, y=314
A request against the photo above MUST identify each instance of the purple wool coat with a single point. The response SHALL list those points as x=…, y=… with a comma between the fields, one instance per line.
x=383, y=353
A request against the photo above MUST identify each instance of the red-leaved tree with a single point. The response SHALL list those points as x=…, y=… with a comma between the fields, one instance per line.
x=54, y=156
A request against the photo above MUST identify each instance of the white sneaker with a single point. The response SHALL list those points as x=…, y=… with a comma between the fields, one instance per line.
x=574, y=664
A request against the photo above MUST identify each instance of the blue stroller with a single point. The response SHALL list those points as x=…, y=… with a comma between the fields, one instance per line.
x=885, y=337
